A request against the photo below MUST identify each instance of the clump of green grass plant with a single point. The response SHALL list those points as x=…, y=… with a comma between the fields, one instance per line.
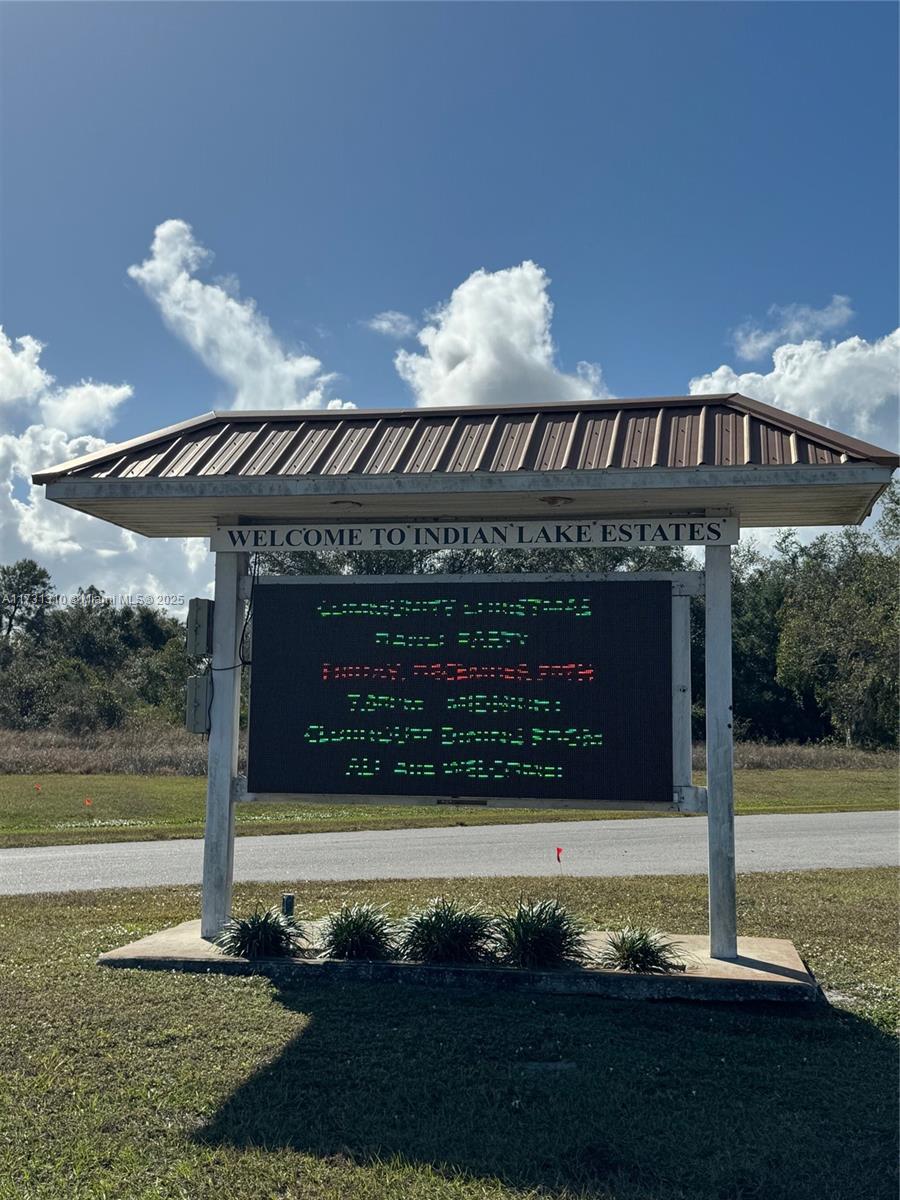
x=263, y=934
x=640, y=949
x=357, y=931
x=538, y=934
x=445, y=931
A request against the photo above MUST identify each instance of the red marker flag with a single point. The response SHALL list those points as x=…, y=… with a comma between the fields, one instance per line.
x=559, y=851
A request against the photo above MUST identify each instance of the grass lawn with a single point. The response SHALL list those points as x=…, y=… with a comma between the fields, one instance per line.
x=125, y=1085
x=148, y=807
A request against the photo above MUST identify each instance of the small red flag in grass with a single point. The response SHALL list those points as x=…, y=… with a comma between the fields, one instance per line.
x=88, y=802
x=37, y=787
x=559, y=851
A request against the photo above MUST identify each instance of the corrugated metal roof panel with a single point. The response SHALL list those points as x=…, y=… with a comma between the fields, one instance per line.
x=683, y=447
x=467, y=444
x=510, y=441
x=348, y=449
x=429, y=446
x=551, y=451
x=596, y=434
x=727, y=447
x=193, y=452
x=637, y=440
x=393, y=437
x=312, y=440
x=276, y=444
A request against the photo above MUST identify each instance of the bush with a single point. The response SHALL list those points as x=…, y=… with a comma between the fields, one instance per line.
x=28, y=693
x=267, y=934
x=357, y=931
x=445, y=932
x=538, y=934
x=637, y=948
x=91, y=708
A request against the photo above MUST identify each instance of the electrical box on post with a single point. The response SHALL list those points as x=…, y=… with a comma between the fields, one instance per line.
x=199, y=629
x=199, y=696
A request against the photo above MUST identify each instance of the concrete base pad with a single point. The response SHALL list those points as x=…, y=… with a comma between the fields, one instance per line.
x=765, y=969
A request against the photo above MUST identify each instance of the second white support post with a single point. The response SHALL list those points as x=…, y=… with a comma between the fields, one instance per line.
x=681, y=690
x=224, y=720
x=720, y=755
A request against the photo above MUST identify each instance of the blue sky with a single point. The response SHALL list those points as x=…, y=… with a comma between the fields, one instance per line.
x=676, y=170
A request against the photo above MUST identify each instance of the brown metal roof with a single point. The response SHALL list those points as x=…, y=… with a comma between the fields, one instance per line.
x=672, y=454
x=660, y=432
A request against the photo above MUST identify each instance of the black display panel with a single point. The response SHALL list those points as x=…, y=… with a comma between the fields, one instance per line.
x=545, y=691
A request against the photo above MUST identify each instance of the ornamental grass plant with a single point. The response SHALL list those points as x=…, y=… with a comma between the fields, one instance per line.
x=641, y=949
x=538, y=934
x=357, y=931
x=445, y=931
x=263, y=934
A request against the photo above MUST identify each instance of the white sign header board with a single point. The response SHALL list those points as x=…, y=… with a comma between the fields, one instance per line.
x=508, y=535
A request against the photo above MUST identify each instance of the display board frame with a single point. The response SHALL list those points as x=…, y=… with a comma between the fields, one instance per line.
x=684, y=797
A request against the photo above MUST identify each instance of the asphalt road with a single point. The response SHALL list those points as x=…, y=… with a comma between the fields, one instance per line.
x=652, y=846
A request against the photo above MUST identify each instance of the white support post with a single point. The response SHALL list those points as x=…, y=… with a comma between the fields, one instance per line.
x=720, y=755
x=224, y=718
x=681, y=691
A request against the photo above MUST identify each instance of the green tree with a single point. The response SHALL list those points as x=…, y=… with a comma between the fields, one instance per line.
x=87, y=699
x=25, y=592
x=86, y=664
x=838, y=635
x=765, y=708
x=28, y=692
x=163, y=679
x=86, y=629
x=887, y=524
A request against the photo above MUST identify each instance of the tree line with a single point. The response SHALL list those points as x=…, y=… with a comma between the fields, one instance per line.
x=815, y=633
x=86, y=663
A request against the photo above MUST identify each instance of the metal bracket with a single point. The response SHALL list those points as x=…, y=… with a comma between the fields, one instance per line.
x=690, y=584
x=239, y=793
x=689, y=799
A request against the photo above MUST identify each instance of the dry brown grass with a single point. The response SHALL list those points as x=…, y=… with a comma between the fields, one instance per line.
x=143, y=747
x=762, y=756
x=147, y=746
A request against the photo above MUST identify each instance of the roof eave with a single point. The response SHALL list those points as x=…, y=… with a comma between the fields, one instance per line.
x=148, y=439
x=430, y=483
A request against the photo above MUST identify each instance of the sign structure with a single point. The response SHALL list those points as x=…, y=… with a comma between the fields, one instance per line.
x=508, y=535
x=472, y=690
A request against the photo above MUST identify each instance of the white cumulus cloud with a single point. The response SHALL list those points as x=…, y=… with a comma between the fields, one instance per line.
x=42, y=425
x=491, y=344
x=79, y=408
x=853, y=385
x=790, y=323
x=230, y=336
x=21, y=375
x=84, y=406
x=392, y=324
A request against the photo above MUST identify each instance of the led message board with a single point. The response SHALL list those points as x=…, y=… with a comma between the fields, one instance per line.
x=471, y=690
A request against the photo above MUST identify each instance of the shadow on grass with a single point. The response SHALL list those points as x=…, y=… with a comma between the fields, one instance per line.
x=637, y=1100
